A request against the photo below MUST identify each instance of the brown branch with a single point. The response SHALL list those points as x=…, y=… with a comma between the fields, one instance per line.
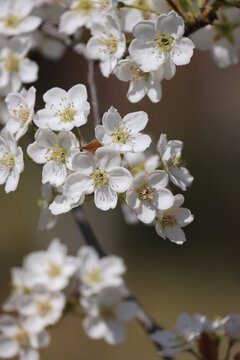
x=147, y=323
x=91, y=78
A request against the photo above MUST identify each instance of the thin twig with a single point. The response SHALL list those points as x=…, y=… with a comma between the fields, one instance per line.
x=147, y=323
x=91, y=78
x=174, y=7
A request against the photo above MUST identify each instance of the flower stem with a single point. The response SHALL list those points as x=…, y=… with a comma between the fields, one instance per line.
x=230, y=344
x=195, y=354
x=121, y=5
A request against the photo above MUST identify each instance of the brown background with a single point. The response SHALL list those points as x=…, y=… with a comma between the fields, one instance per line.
x=200, y=106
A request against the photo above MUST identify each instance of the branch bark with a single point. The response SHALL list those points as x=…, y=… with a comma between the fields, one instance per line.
x=91, y=78
x=147, y=323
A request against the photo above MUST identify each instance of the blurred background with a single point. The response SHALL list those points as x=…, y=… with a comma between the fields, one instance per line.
x=200, y=106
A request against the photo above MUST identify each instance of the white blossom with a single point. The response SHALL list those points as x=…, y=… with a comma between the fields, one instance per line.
x=100, y=173
x=222, y=37
x=56, y=152
x=15, y=18
x=105, y=315
x=15, y=67
x=64, y=109
x=21, y=110
x=107, y=44
x=148, y=193
x=160, y=42
x=170, y=158
x=16, y=339
x=97, y=273
x=51, y=268
x=123, y=135
x=62, y=204
x=181, y=338
x=41, y=308
x=171, y=221
x=141, y=83
x=11, y=161
x=83, y=13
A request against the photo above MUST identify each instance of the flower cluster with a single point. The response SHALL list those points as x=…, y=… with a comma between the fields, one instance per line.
x=201, y=331
x=112, y=167
x=42, y=293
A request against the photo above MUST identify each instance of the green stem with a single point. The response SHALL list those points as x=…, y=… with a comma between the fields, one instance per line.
x=230, y=344
x=121, y=5
x=195, y=354
x=191, y=6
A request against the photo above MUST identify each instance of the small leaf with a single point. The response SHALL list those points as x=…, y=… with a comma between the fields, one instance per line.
x=92, y=146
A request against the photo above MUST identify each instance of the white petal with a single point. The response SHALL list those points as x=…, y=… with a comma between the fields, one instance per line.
x=28, y=71
x=12, y=181
x=115, y=333
x=111, y=120
x=132, y=199
x=175, y=234
x=136, y=121
x=158, y=179
x=8, y=347
x=54, y=173
x=170, y=24
x=183, y=216
x=105, y=198
x=107, y=158
x=120, y=179
x=146, y=212
x=94, y=327
x=144, y=31
x=182, y=51
x=163, y=199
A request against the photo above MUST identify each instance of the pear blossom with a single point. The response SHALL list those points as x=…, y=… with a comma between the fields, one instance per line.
x=134, y=162
x=107, y=44
x=123, y=135
x=171, y=221
x=51, y=268
x=56, y=152
x=84, y=13
x=41, y=308
x=11, y=161
x=147, y=193
x=222, y=37
x=105, y=315
x=181, y=338
x=15, y=68
x=21, y=110
x=159, y=42
x=64, y=109
x=97, y=273
x=100, y=173
x=170, y=159
x=15, y=18
x=47, y=220
x=141, y=83
x=16, y=339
